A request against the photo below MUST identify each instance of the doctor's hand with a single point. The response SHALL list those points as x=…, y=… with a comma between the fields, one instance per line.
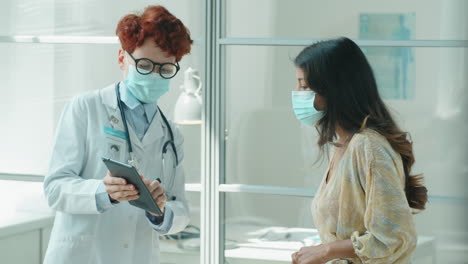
x=311, y=255
x=119, y=190
x=158, y=193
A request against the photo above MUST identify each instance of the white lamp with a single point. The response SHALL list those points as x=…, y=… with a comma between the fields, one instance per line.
x=188, y=108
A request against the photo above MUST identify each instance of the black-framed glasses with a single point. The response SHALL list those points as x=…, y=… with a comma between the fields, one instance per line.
x=146, y=66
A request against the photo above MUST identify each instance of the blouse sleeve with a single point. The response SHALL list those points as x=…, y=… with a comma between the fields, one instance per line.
x=390, y=233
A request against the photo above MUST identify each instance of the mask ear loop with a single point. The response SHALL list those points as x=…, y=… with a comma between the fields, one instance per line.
x=364, y=123
x=127, y=60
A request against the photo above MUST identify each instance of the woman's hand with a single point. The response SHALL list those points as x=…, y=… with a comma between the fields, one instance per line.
x=119, y=190
x=158, y=193
x=311, y=255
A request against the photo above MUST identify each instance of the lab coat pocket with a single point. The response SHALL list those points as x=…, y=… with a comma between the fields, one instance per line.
x=170, y=181
x=71, y=250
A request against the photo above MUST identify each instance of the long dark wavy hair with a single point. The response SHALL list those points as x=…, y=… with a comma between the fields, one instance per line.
x=338, y=70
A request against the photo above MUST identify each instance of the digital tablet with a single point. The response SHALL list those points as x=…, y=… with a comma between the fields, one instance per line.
x=131, y=175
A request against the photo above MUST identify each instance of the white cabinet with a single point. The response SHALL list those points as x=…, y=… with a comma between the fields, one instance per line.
x=24, y=237
x=23, y=248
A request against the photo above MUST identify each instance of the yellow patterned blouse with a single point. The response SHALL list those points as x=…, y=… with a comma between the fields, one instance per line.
x=364, y=200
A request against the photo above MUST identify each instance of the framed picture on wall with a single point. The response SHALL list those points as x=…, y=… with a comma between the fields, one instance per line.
x=393, y=66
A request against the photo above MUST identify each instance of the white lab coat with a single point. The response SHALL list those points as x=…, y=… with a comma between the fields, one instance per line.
x=121, y=234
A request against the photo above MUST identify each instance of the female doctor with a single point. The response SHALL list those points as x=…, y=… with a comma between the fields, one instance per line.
x=94, y=223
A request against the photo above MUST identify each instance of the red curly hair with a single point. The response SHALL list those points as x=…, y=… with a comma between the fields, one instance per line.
x=156, y=22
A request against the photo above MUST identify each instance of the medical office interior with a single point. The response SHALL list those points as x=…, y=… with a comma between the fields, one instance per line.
x=250, y=171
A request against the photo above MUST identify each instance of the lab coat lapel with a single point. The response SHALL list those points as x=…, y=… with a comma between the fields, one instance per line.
x=109, y=100
x=155, y=130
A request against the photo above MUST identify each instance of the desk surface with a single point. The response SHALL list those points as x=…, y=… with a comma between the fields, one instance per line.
x=18, y=222
x=280, y=251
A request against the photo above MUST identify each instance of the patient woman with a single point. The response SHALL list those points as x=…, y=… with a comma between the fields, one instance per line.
x=364, y=206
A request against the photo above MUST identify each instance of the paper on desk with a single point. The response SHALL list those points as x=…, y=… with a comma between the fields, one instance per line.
x=282, y=238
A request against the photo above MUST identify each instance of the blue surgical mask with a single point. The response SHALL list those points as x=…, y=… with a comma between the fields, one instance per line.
x=303, y=105
x=146, y=88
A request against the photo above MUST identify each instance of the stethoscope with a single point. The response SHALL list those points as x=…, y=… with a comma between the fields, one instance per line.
x=168, y=144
